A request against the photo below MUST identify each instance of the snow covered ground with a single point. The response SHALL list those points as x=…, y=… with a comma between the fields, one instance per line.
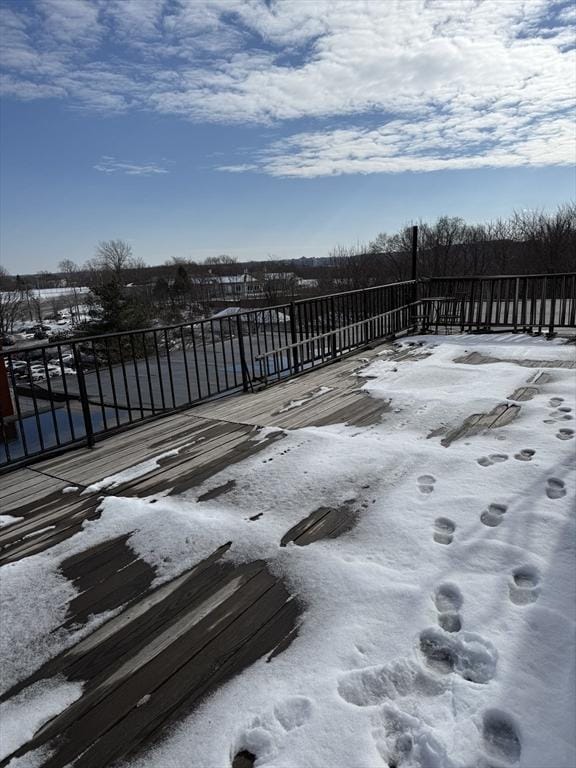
x=438, y=633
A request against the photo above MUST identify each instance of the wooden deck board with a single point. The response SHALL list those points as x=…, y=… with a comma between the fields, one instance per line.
x=477, y=358
x=23, y=488
x=323, y=523
x=61, y=518
x=122, y=451
x=499, y=416
x=217, y=619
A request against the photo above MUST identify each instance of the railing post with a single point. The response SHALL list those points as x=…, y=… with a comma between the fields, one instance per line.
x=414, y=253
x=245, y=378
x=294, y=336
x=552, y=308
x=84, y=399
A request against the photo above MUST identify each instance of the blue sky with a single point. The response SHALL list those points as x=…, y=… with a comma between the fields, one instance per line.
x=197, y=127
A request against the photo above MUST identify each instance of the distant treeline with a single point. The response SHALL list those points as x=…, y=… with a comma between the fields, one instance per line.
x=126, y=293
x=529, y=242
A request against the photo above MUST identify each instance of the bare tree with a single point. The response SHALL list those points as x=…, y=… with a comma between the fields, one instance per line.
x=113, y=256
x=70, y=269
x=10, y=302
x=223, y=259
x=394, y=251
x=549, y=240
x=439, y=246
x=115, y=305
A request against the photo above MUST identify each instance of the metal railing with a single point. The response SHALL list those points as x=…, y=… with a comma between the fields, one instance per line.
x=328, y=346
x=80, y=390
x=75, y=392
x=529, y=303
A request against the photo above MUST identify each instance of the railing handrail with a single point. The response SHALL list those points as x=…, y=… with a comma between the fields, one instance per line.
x=350, y=293
x=500, y=277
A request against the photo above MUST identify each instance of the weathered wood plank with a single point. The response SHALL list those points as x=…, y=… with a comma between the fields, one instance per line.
x=122, y=584
x=30, y=537
x=243, y=642
x=323, y=523
x=96, y=656
x=477, y=358
x=22, y=490
x=113, y=455
x=499, y=416
x=192, y=472
x=228, y=625
x=523, y=394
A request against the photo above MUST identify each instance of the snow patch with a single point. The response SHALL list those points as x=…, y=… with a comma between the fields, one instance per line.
x=23, y=714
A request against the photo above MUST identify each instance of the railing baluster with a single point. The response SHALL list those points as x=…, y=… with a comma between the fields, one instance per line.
x=51, y=399
x=159, y=369
x=196, y=366
x=112, y=381
x=169, y=364
x=84, y=399
x=148, y=373
x=125, y=379
x=136, y=375
x=99, y=383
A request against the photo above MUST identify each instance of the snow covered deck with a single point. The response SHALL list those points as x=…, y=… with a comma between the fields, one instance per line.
x=369, y=565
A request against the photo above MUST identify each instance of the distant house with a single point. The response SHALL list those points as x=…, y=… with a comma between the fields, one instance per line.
x=238, y=286
x=307, y=283
x=288, y=280
x=285, y=277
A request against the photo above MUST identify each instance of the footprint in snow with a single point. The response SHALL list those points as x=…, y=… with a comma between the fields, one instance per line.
x=389, y=682
x=448, y=601
x=555, y=488
x=264, y=735
x=500, y=738
x=554, y=402
x=403, y=740
x=444, y=530
x=524, y=587
x=426, y=483
x=466, y=654
x=562, y=413
x=244, y=759
x=565, y=434
x=493, y=515
x=494, y=458
x=525, y=454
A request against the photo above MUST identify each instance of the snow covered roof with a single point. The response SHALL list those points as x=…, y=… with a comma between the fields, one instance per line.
x=279, y=276
x=234, y=279
x=267, y=316
x=227, y=312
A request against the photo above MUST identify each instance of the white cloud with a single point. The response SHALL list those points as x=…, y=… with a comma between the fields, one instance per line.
x=108, y=164
x=450, y=83
x=449, y=143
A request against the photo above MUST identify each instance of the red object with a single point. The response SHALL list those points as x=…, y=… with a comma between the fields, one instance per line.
x=6, y=407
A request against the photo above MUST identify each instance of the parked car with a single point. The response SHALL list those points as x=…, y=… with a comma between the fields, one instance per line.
x=19, y=368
